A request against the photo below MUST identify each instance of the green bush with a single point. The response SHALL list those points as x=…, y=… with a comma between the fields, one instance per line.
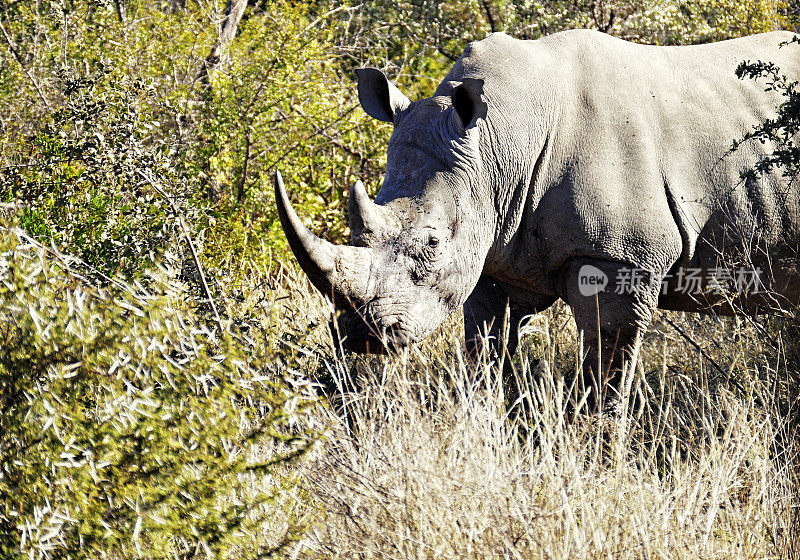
x=88, y=181
x=128, y=426
x=783, y=131
x=131, y=102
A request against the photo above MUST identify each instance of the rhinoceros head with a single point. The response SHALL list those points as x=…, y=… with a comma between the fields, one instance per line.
x=418, y=250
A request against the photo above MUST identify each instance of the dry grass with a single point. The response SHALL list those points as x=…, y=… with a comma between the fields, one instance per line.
x=439, y=472
x=427, y=461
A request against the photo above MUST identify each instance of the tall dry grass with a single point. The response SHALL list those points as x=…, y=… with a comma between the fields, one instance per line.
x=437, y=470
x=422, y=458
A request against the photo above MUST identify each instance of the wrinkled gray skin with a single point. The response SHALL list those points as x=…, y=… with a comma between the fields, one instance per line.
x=535, y=158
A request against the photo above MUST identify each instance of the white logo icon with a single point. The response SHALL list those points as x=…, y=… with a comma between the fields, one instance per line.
x=591, y=280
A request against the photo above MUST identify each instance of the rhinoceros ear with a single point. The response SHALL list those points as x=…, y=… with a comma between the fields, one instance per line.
x=467, y=102
x=378, y=96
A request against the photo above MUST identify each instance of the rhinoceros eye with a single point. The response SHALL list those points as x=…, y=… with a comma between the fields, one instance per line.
x=433, y=242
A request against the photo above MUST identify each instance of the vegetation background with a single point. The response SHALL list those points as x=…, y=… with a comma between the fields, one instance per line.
x=168, y=388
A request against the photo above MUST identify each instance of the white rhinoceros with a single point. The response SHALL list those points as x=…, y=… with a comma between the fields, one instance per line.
x=577, y=166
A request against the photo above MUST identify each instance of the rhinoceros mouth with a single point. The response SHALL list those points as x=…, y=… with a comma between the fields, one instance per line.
x=365, y=333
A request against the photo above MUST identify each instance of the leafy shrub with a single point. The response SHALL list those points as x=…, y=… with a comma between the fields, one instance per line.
x=279, y=96
x=128, y=426
x=87, y=185
x=783, y=131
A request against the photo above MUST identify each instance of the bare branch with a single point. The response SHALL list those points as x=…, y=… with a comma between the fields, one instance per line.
x=18, y=58
x=190, y=242
x=489, y=17
x=234, y=10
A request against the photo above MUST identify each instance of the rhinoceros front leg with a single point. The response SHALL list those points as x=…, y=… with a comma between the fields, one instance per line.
x=613, y=305
x=492, y=314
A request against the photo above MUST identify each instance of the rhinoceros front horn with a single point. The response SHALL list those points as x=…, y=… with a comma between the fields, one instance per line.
x=341, y=273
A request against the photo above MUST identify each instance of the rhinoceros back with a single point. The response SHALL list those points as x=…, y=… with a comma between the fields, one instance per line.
x=639, y=166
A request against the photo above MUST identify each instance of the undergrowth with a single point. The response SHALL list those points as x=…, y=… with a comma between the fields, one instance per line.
x=131, y=425
x=428, y=462
x=137, y=425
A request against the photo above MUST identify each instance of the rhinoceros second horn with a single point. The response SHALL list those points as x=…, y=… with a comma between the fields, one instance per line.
x=368, y=218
